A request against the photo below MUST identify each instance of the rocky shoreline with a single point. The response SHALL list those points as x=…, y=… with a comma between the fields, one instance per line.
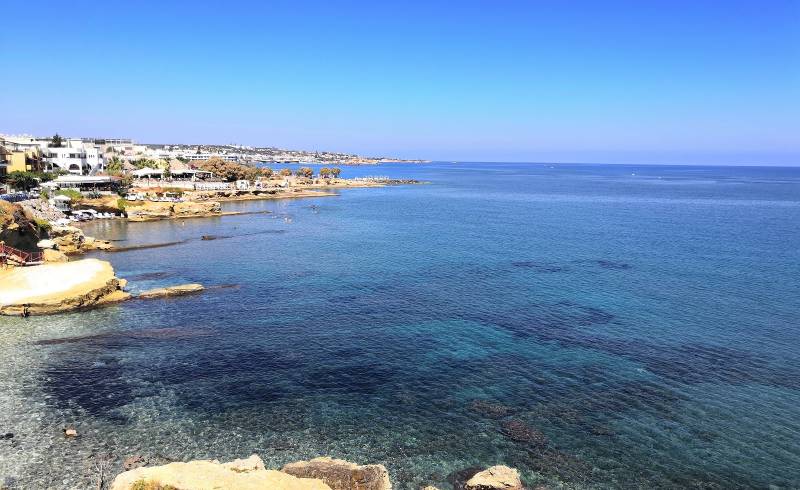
x=59, y=287
x=323, y=473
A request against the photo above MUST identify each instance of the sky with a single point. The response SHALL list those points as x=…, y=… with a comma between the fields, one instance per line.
x=671, y=82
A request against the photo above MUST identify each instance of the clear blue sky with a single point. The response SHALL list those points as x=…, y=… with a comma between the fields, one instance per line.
x=587, y=81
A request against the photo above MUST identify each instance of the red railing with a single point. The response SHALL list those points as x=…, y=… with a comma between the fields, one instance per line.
x=20, y=257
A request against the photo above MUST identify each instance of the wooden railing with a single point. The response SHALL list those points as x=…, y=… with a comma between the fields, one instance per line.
x=19, y=257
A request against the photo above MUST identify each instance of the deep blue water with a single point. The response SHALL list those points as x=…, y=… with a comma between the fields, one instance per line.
x=602, y=326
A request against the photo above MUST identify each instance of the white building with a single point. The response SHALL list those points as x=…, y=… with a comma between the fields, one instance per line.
x=75, y=157
x=206, y=156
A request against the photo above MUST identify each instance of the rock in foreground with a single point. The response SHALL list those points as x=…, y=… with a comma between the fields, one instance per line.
x=172, y=291
x=495, y=478
x=241, y=474
x=58, y=287
x=342, y=475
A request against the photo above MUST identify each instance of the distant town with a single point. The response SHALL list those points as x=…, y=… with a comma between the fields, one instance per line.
x=93, y=156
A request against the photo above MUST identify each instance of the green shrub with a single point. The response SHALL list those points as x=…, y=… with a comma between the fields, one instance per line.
x=42, y=224
x=70, y=193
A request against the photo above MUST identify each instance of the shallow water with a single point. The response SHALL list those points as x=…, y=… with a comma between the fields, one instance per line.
x=599, y=326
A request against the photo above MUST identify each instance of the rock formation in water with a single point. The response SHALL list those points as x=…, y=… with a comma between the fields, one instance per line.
x=317, y=474
x=341, y=475
x=59, y=287
x=172, y=291
x=241, y=474
x=70, y=240
x=150, y=211
x=495, y=478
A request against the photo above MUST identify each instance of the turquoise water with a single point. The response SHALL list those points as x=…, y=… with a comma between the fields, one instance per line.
x=592, y=326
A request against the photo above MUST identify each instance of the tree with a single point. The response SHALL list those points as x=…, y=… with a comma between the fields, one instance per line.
x=24, y=181
x=229, y=171
x=285, y=172
x=266, y=172
x=114, y=166
x=335, y=171
x=306, y=172
x=56, y=141
x=324, y=172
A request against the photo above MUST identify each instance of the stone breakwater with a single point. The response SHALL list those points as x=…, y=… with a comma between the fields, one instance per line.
x=317, y=474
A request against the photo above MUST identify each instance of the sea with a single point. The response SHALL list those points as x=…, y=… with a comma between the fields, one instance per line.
x=593, y=326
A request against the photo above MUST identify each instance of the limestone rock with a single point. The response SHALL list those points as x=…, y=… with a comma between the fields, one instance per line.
x=341, y=475
x=46, y=244
x=150, y=210
x=51, y=255
x=58, y=287
x=252, y=463
x=247, y=474
x=189, y=209
x=495, y=478
x=172, y=291
x=67, y=239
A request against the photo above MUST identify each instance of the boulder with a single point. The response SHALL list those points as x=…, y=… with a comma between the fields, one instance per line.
x=172, y=291
x=67, y=239
x=246, y=474
x=91, y=243
x=46, y=244
x=341, y=475
x=51, y=255
x=495, y=478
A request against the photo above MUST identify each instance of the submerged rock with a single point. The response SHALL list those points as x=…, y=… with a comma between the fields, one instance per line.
x=172, y=291
x=341, y=475
x=495, y=478
x=519, y=431
x=459, y=478
x=489, y=408
x=241, y=474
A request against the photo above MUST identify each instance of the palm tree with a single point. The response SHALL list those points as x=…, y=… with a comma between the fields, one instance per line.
x=335, y=171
